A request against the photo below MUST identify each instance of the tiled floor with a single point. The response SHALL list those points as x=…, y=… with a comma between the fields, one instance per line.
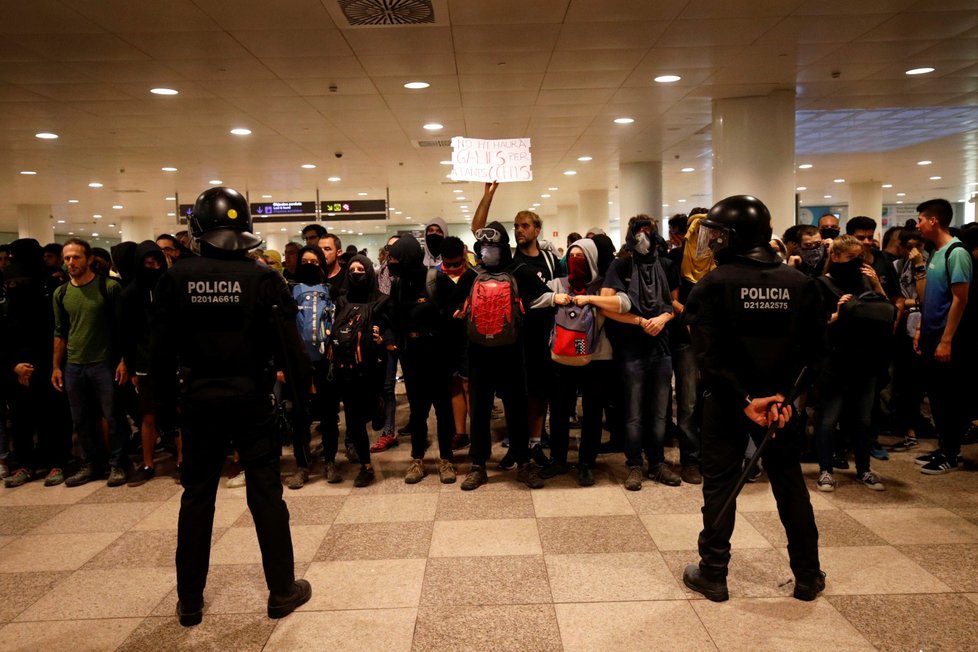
x=429, y=567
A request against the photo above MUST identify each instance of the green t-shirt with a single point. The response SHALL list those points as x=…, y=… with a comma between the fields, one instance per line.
x=89, y=326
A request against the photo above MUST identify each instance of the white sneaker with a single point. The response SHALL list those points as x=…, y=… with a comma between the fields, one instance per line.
x=872, y=481
x=825, y=482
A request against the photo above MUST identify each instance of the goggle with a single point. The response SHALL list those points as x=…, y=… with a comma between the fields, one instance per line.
x=488, y=235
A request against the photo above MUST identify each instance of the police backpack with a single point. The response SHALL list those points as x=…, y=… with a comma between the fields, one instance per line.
x=315, y=317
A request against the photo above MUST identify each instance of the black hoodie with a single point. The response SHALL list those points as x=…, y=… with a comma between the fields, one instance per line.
x=29, y=324
x=124, y=259
x=365, y=292
x=413, y=310
x=137, y=306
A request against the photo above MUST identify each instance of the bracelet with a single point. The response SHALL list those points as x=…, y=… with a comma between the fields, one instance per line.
x=919, y=268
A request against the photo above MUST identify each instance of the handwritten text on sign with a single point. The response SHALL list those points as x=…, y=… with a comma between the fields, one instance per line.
x=491, y=160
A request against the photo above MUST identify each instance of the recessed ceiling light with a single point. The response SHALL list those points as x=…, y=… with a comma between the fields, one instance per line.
x=665, y=205
x=901, y=194
x=95, y=184
x=688, y=170
x=94, y=235
x=611, y=203
x=164, y=91
x=168, y=169
x=117, y=206
x=826, y=196
x=29, y=173
x=805, y=166
x=361, y=194
x=433, y=126
x=97, y=216
x=682, y=201
x=569, y=173
x=171, y=214
x=241, y=131
x=924, y=162
x=333, y=179
x=667, y=79
x=899, y=202
x=284, y=229
x=545, y=196
x=935, y=178
x=61, y=221
x=887, y=185
x=359, y=233
x=584, y=159
x=308, y=166
x=458, y=191
x=800, y=188
x=46, y=135
x=536, y=205
x=416, y=85
x=170, y=198
x=445, y=162
x=72, y=201
x=215, y=182
x=408, y=217
x=112, y=226
x=398, y=212
x=266, y=196
x=838, y=180
x=624, y=121
x=71, y=233
x=919, y=71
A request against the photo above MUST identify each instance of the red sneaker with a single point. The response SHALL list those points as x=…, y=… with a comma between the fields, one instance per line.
x=386, y=441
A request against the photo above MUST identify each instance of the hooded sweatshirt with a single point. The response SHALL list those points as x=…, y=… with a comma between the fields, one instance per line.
x=602, y=349
x=29, y=322
x=431, y=258
x=365, y=291
x=137, y=306
x=414, y=312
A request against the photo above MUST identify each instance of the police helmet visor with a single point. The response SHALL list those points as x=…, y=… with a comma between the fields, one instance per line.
x=712, y=238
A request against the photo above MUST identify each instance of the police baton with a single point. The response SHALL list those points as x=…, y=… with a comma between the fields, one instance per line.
x=768, y=436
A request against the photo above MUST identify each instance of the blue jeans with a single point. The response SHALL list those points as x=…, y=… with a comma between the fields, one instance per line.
x=90, y=389
x=687, y=380
x=850, y=405
x=647, y=390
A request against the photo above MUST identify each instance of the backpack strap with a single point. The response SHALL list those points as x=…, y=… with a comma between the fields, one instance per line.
x=431, y=282
x=59, y=298
x=947, y=260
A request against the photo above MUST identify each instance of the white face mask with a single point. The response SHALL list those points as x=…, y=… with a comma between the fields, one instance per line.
x=642, y=243
x=490, y=255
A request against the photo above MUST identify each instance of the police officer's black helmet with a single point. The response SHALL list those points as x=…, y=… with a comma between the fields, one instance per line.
x=740, y=226
x=222, y=218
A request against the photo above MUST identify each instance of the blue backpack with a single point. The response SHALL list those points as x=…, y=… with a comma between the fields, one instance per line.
x=315, y=317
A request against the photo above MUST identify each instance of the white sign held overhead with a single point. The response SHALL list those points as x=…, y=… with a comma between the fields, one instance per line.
x=503, y=160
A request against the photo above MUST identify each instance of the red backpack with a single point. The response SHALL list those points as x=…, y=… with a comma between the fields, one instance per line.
x=493, y=310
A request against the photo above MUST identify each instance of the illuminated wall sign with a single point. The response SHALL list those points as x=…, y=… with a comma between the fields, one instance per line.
x=266, y=210
x=349, y=210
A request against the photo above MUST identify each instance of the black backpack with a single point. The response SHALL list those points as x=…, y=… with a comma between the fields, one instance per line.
x=865, y=326
x=351, y=342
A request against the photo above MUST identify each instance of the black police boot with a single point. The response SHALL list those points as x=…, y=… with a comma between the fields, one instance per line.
x=190, y=611
x=280, y=606
x=712, y=585
x=808, y=589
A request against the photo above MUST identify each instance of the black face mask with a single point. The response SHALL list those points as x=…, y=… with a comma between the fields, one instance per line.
x=358, y=278
x=829, y=233
x=433, y=242
x=813, y=257
x=309, y=274
x=395, y=267
x=848, y=275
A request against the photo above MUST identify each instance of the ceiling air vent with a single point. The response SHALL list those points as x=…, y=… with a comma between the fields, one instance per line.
x=388, y=12
x=444, y=142
x=127, y=190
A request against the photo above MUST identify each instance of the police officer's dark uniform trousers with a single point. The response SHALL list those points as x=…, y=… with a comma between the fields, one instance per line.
x=754, y=322
x=217, y=326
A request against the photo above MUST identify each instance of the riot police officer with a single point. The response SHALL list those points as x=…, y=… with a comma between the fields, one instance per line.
x=754, y=323
x=223, y=325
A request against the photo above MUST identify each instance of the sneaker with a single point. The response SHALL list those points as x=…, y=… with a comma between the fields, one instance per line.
x=280, y=606
x=446, y=472
x=177, y=470
x=712, y=587
x=55, y=477
x=529, y=474
x=190, y=611
x=553, y=469
x=385, y=442
x=872, y=481
x=755, y=473
x=332, y=473
x=505, y=442
x=905, y=445
x=4, y=471
x=840, y=462
x=475, y=478
x=585, y=476
x=364, y=477
x=633, y=482
x=117, y=477
x=460, y=440
x=415, y=472
x=508, y=461
x=236, y=480
x=825, y=481
x=298, y=479
x=351, y=455
x=538, y=456
x=142, y=475
x=939, y=464
x=17, y=478
x=663, y=474
x=809, y=590
x=879, y=453
x=690, y=473
x=84, y=475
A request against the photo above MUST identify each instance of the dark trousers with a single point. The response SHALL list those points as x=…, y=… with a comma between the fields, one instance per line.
x=947, y=391
x=304, y=414
x=647, y=381
x=359, y=393
x=91, y=394
x=497, y=369
x=725, y=434
x=848, y=403
x=908, y=383
x=205, y=446
x=428, y=382
x=570, y=380
x=42, y=411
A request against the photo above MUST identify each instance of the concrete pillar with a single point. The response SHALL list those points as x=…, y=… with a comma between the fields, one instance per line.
x=565, y=222
x=274, y=238
x=640, y=190
x=593, y=210
x=866, y=198
x=136, y=229
x=34, y=221
x=754, y=152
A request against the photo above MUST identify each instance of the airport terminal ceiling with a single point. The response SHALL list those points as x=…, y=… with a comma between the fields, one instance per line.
x=316, y=88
